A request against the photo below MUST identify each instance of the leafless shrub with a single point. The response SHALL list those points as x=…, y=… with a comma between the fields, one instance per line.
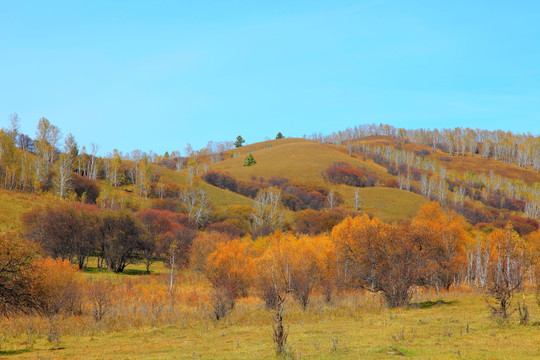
x=100, y=296
x=222, y=302
x=523, y=313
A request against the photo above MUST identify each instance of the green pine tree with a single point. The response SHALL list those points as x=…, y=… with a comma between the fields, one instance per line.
x=239, y=141
x=250, y=160
x=279, y=136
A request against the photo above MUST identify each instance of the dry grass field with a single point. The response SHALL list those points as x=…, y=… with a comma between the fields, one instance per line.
x=14, y=204
x=295, y=159
x=354, y=326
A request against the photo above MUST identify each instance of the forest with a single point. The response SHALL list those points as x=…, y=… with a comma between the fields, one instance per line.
x=407, y=242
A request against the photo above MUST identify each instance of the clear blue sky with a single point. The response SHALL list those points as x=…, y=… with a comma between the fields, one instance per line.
x=155, y=75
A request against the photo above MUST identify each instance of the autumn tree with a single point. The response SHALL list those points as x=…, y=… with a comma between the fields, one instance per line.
x=165, y=230
x=230, y=269
x=60, y=288
x=18, y=292
x=122, y=240
x=510, y=258
x=380, y=257
x=446, y=236
x=274, y=284
x=69, y=232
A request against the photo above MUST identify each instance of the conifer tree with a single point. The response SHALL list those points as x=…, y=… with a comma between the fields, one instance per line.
x=239, y=141
x=250, y=160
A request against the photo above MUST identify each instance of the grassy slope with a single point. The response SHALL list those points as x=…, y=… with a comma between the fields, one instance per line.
x=386, y=203
x=479, y=165
x=296, y=159
x=304, y=160
x=219, y=197
x=459, y=328
x=14, y=204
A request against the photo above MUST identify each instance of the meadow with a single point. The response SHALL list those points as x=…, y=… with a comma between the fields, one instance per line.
x=442, y=325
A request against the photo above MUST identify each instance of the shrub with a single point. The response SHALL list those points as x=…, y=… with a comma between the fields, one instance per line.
x=60, y=287
x=202, y=246
x=86, y=188
x=221, y=180
x=226, y=227
x=18, y=275
x=342, y=173
x=314, y=222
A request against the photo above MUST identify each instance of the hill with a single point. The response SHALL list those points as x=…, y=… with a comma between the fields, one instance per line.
x=295, y=159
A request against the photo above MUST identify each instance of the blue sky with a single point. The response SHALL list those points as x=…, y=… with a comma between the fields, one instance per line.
x=155, y=75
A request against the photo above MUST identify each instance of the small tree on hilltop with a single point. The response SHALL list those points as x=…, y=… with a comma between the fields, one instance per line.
x=250, y=160
x=239, y=141
x=279, y=136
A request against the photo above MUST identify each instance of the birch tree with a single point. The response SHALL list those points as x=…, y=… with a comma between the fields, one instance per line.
x=268, y=212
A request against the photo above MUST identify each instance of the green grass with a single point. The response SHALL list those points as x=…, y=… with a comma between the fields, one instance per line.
x=92, y=271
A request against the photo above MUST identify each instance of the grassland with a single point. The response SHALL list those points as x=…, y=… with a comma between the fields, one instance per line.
x=299, y=160
x=388, y=204
x=353, y=327
x=220, y=197
x=14, y=204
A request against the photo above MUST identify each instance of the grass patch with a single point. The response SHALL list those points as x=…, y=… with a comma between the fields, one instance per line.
x=431, y=303
x=13, y=352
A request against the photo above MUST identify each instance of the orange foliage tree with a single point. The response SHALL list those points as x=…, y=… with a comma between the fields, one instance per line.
x=18, y=290
x=447, y=237
x=392, y=258
x=60, y=287
x=230, y=269
x=510, y=258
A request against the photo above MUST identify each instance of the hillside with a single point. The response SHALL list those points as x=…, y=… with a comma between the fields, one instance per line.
x=296, y=159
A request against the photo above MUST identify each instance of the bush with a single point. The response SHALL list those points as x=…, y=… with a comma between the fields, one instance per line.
x=342, y=173
x=60, y=287
x=225, y=227
x=86, y=188
x=221, y=180
x=314, y=222
x=202, y=246
x=173, y=205
x=18, y=275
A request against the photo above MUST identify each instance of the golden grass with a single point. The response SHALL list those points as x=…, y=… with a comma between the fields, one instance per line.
x=14, y=204
x=219, y=197
x=296, y=159
x=353, y=327
x=386, y=203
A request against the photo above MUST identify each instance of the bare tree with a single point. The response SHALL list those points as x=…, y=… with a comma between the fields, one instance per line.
x=100, y=296
x=64, y=175
x=196, y=202
x=357, y=201
x=268, y=214
x=331, y=200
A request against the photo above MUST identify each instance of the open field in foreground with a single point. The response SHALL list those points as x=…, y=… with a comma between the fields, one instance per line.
x=353, y=327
